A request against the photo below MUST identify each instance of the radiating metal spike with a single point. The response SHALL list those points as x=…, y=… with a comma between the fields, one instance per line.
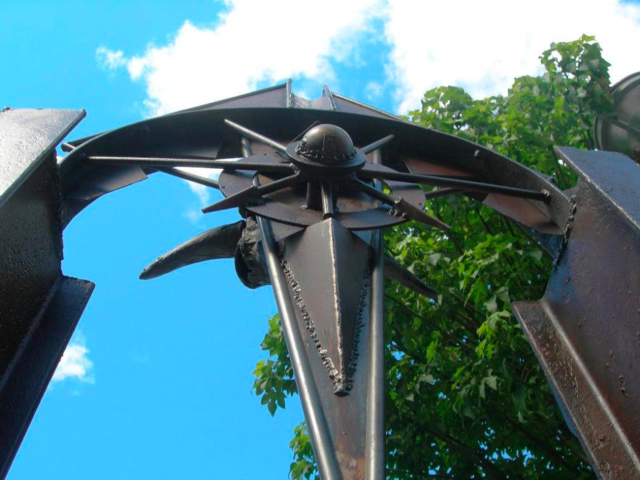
x=154, y=162
x=243, y=196
x=395, y=271
x=373, y=192
x=400, y=207
x=406, y=210
x=465, y=185
x=301, y=134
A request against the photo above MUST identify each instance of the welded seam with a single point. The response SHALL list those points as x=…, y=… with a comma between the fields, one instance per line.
x=342, y=381
x=334, y=374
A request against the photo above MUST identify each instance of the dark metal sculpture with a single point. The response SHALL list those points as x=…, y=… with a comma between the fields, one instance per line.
x=316, y=182
x=620, y=131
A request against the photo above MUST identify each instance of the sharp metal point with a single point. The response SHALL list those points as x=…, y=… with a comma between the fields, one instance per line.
x=400, y=207
x=235, y=200
x=406, y=210
x=457, y=183
x=395, y=271
x=243, y=196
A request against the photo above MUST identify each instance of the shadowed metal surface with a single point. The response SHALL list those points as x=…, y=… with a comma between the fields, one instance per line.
x=586, y=329
x=26, y=138
x=35, y=363
x=39, y=308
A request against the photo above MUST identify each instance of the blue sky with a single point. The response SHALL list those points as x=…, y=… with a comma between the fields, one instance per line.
x=157, y=381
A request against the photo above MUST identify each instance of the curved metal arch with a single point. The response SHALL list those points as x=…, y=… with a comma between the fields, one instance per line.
x=203, y=133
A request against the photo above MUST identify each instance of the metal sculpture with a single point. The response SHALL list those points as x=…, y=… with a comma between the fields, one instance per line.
x=316, y=182
x=620, y=131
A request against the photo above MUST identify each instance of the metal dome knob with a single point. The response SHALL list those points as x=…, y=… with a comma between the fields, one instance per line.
x=327, y=144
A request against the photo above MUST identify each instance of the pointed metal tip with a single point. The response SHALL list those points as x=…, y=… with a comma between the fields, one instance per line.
x=152, y=270
x=229, y=202
x=210, y=208
x=404, y=209
x=395, y=271
x=437, y=223
x=146, y=275
x=235, y=200
x=219, y=242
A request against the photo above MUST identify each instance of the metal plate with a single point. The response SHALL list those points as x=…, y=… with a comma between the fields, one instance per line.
x=586, y=329
x=26, y=137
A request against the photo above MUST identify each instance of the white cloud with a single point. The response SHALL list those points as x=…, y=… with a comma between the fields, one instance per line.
x=193, y=215
x=202, y=192
x=75, y=363
x=110, y=59
x=374, y=90
x=480, y=46
x=254, y=41
x=483, y=46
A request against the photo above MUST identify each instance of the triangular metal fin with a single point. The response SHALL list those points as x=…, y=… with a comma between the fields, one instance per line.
x=328, y=275
x=331, y=268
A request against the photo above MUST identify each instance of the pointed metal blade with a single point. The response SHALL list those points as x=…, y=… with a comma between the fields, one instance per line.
x=254, y=191
x=235, y=200
x=332, y=289
x=218, y=242
x=406, y=210
x=398, y=273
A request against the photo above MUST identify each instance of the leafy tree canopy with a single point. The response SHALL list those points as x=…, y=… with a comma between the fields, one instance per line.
x=466, y=397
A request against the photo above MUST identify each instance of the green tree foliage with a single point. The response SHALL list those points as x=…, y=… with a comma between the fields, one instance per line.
x=466, y=397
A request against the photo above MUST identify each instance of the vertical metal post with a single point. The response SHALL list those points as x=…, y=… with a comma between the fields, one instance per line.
x=375, y=454
x=318, y=428
x=39, y=306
